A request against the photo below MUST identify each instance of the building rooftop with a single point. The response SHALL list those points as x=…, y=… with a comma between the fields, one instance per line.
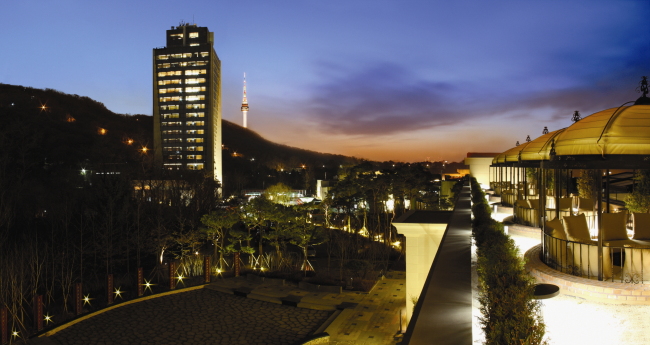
x=430, y=217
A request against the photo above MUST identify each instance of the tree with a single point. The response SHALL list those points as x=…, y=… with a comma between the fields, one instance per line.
x=304, y=233
x=256, y=216
x=216, y=226
x=639, y=200
x=279, y=193
x=586, y=183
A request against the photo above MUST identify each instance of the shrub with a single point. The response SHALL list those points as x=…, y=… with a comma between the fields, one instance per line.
x=510, y=315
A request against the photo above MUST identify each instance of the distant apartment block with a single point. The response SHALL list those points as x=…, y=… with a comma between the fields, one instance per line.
x=187, y=101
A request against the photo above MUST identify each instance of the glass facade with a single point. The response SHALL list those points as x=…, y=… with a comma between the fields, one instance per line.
x=187, y=119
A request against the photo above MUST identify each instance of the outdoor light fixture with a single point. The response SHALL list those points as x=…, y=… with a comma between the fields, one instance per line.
x=48, y=318
x=180, y=279
x=118, y=293
x=147, y=285
x=87, y=299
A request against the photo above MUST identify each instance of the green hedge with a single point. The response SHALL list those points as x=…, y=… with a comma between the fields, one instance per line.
x=509, y=314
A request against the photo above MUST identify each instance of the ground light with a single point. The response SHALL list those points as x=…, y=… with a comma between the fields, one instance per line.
x=147, y=285
x=180, y=279
x=87, y=299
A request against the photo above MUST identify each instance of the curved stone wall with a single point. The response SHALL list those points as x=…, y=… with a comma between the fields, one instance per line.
x=590, y=289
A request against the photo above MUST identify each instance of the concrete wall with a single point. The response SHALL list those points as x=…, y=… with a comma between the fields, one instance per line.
x=422, y=243
x=479, y=168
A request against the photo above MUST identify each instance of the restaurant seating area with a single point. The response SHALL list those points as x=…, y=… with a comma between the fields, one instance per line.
x=586, y=228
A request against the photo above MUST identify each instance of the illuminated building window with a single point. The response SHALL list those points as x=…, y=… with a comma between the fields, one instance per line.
x=197, y=166
x=175, y=157
x=177, y=36
x=171, y=90
x=194, y=131
x=172, y=166
x=195, y=157
x=168, y=82
x=194, y=89
x=195, y=148
x=194, y=44
x=195, y=106
x=173, y=148
x=195, y=123
x=180, y=55
x=171, y=99
x=195, y=71
x=196, y=63
x=194, y=34
x=171, y=123
x=171, y=132
x=164, y=74
x=195, y=98
x=172, y=140
x=205, y=54
x=169, y=107
x=195, y=115
x=194, y=140
x=162, y=57
x=164, y=65
x=194, y=80
x=170, y=116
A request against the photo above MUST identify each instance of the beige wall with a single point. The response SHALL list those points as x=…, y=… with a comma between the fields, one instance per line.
x=422, y=243
x=479, y=168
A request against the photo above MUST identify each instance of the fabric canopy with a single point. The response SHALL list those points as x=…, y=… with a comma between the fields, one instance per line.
x=615, y=131
x=509, y=156
x=539, y=149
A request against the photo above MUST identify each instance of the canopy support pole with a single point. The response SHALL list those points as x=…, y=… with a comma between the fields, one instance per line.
x=597, y=207
x=557, y=193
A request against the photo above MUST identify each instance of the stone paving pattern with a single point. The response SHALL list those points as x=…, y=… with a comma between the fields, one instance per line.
x=217, y=314
x=200, y=316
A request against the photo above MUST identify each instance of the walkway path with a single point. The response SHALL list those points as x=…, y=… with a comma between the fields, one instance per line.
x=241, y=311
x=196, y=317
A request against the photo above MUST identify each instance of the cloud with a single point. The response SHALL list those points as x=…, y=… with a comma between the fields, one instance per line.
x=381, y=99
x=389, y=98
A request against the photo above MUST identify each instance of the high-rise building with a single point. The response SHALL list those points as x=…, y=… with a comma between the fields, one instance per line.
x=244, y=105
x=187, y=101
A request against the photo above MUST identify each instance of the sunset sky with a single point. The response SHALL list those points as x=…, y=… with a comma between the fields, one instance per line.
x=383, y=80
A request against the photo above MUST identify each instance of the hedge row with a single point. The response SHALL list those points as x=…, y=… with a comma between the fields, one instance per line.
x=509, y=314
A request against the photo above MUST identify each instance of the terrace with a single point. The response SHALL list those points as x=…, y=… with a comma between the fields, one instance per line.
x=589, y=245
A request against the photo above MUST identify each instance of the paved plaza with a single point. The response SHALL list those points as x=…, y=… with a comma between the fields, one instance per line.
x=201, y=316
x=244, y=311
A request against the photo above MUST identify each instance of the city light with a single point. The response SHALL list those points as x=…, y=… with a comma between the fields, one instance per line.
x=102, y=131
x=48, y=318
x=87, y=299
x=144, y=149
x=118, y=293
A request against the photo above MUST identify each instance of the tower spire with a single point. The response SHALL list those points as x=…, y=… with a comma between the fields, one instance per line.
x=244, y=104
